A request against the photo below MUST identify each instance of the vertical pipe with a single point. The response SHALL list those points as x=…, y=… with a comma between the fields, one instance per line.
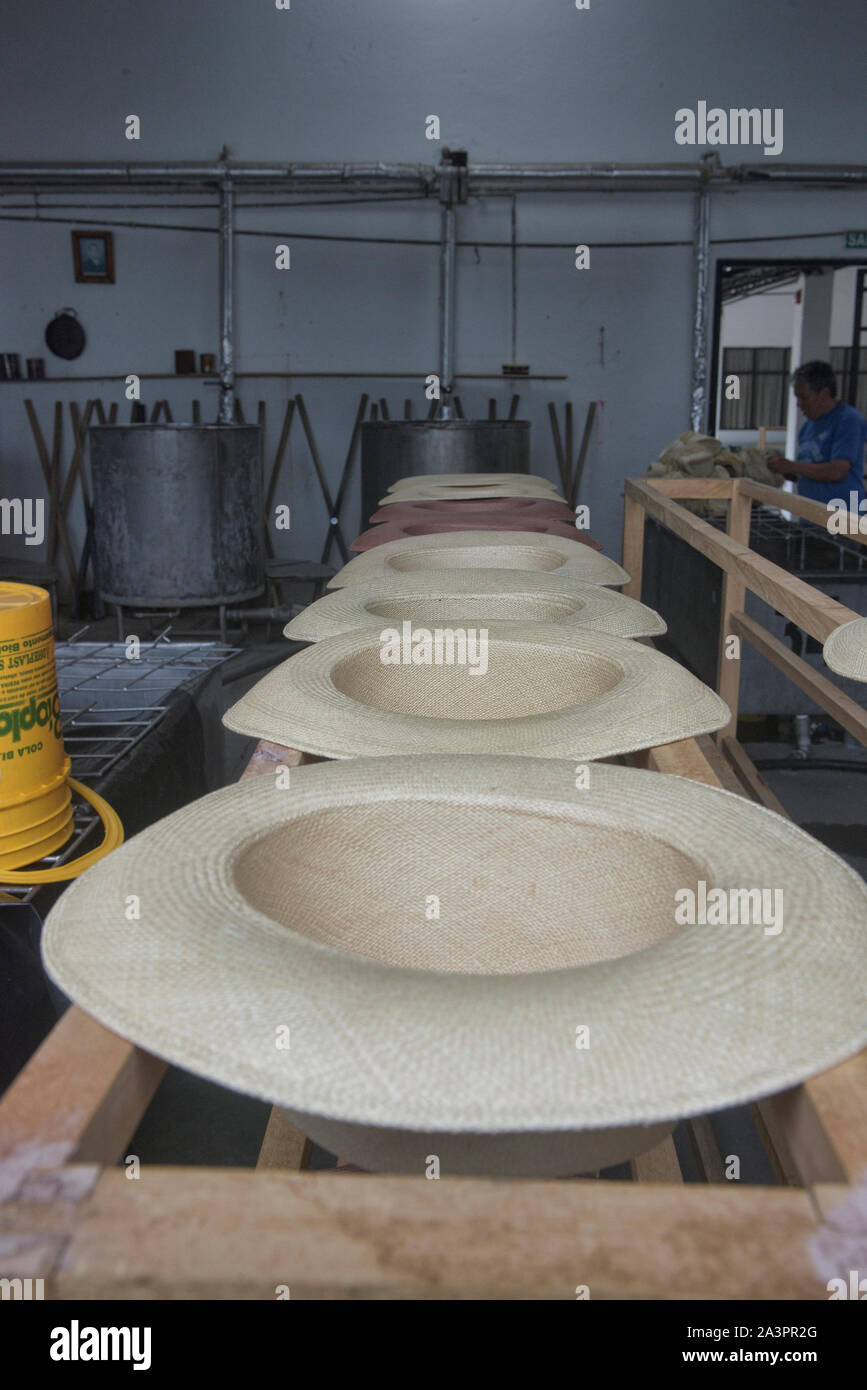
x=447, y=310
x=226, y=415
x=701, y=260
x=514, y=356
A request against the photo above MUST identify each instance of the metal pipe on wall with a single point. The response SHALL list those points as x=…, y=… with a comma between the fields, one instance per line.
x=492, y=180
x=701, y=256
x=226, y=412
x=447, y=311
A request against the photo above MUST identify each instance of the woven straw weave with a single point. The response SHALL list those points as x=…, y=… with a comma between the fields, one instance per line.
x=263, y=907
x=504, y=550
x=550, y=691
x=846, y=650
x=486, y=598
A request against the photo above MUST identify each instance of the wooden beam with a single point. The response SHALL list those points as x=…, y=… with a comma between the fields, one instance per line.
x=633, y=546
x=692, y=489
x=825, y=693
x=749, y=778
x=237, y=1234
x=659, y=1164
x=284, y=1146
x=800, y=506
x=704, y=1147
x=734, y=597
x=79, y=1098
x=815, y=612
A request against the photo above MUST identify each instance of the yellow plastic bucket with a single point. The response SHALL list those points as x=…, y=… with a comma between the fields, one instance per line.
x=36, y=814
x=35, y=800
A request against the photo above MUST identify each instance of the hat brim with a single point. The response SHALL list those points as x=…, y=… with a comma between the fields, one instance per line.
x=521, y=550
x=548, y=691
x=845, y=651
x=683, y=1021
x=493, y=598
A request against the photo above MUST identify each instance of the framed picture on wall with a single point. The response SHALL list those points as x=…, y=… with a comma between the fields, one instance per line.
x=93, y=254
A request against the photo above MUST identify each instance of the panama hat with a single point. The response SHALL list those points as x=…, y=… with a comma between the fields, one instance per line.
x=468, y=480
x=423, y=492
x=544, y=690
x=503, y=550
x=470, y=958
x=492, y=598
x=846, y=650
x=432, y=526
x=468, y=510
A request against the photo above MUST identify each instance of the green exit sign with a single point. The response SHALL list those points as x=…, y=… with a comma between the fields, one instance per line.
x=856, y=241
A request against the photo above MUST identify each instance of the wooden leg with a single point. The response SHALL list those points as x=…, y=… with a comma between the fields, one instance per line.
x=633, y=546
x=733, y=601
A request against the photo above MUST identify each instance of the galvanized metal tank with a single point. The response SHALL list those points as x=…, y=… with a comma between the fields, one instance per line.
x=178, y=514
x=392, y=449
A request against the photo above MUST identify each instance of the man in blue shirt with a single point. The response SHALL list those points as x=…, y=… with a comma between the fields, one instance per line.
x=830, y=462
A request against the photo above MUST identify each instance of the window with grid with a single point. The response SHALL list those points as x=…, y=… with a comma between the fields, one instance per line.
x=841, y=358
x=764, y=387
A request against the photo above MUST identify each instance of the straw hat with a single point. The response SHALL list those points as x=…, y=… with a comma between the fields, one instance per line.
x=433, y=526
x=469, y=958
x=549, y=690
x=504, y=550
x=469, y=510
x=465, y=480
x=492, y=598
x=422, y=492
x=846, y=649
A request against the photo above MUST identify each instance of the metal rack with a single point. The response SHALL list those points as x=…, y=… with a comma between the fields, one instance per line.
x=793, y=547
x=109, y=702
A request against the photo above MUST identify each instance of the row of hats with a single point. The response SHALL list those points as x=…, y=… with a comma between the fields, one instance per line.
x=463, y=935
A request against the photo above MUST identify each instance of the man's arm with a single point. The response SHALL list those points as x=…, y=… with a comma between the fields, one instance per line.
x=834, y=471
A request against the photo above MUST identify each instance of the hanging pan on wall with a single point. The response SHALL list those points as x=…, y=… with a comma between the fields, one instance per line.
x=65, y=335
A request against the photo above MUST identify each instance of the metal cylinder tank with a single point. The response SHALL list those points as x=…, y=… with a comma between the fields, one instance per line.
x=392, y=449
x=177, y=513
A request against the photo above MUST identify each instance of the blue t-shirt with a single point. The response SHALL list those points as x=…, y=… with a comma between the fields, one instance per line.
x=838, y=435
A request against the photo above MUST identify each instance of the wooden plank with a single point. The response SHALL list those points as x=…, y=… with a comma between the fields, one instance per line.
x=558, y=448
x=734, y=597
x=815, y=612
x=705, y=1149
x=239, y=1234
x=284, y=1146
x=80, y=1097
x=776, y=1145
x=633, y=546
x=825, y=693
x=692, y=489
x=800, y=506
x=267, y=757
x=681, y=759
x=659, y=1164
x=582, y=454
x=749, y=776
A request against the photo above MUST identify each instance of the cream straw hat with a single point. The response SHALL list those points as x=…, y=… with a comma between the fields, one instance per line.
x=431, y=492
x=470, y=958
x=549, y=690
x=503, y=550
x=490, y=598
x=846, y=650
x=469, y=480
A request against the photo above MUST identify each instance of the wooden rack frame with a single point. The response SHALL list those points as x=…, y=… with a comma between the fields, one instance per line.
x=71, y=1216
